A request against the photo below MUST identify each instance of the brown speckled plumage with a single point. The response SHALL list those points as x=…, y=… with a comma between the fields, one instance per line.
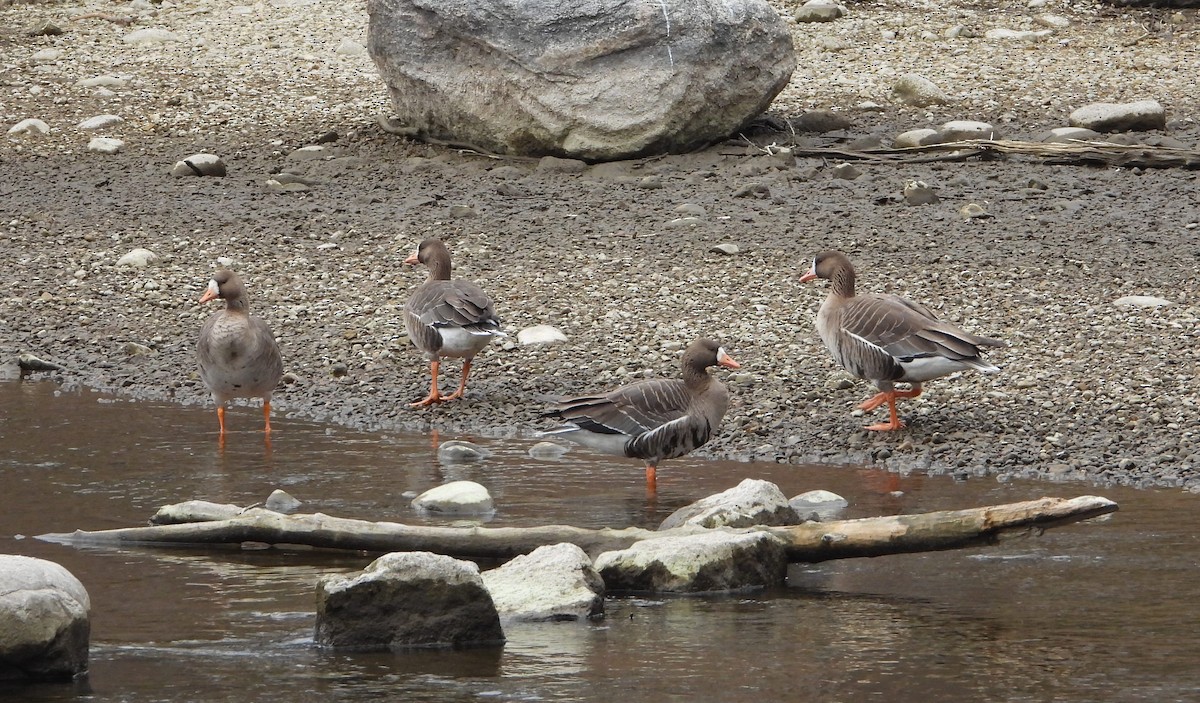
x=655, y=419
x=885, y=338
x=447, y=317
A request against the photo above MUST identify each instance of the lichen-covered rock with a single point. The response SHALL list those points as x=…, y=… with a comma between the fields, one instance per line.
x=703, y=562
x=751, y=502
x=404, y=600
x=45, y=620
x=555, y=582
x=594, y=79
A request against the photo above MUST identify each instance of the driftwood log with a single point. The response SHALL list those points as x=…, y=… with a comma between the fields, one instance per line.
x=808, y=542
x=1091, y=153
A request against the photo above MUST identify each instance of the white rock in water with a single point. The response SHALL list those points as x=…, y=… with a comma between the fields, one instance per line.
x=102, y=82
x=138, y=258
x=100, y=121
x=456, y=497
x=1142, y=301
x=105, y=145
x=199, y=165
x=151, y=35
x=548, y=450
x=541, y=334
x=456, y=450
x=281, y=502
x=30, y=126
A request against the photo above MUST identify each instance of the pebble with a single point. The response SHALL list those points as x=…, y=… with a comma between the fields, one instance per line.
x=818, y=11
x=199, y=165
x=541, y=334
x=28, y=126
x=728, y=248
x=282, y=502
x=458, y=450
x=923, y=136
x=1026, y=35
x=846, y=171
x=919, y=193
x=1141, y=115
x=138, y=258
x=100, y=122
x=1142, y=301
x=102, y=82
x=105, y=145
x=918, y=91
x=151, y=35
x=958, y=130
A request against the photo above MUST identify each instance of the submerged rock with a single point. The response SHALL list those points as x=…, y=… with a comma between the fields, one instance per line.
x=456, y=497
x=703, y=562
x=406, y=600
x=45, y=620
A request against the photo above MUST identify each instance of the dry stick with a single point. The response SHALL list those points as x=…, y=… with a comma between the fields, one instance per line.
x=809, y=542
x=1072, y=152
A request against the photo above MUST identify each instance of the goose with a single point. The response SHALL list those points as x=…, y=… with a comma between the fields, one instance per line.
x=886, y=339
x=447, y=318
x=236, y=351
x=653, y=419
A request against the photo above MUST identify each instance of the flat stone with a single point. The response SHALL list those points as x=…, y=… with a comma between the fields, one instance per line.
x=1142, y=301
x=548, y=450
x=105, y=145
x=1141, y=115
x=138, y=258
x=956, y=130
x=540, y=335
x=1028, y=35
x=151, y=35
x=28, y=126
x=1065, y=135
x=199, y=165
x=704, y=562
x=818, y=11
x=100, y=121
x=917, y=137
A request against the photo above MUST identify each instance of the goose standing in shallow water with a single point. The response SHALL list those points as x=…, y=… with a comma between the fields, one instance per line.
x=447, y=317
x=236, y=351
x=885, y=338
x=654, y=419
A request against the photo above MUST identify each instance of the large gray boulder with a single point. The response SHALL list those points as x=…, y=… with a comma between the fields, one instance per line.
x=591, y=79
x=44, y=621
x=709, y=561
x=405, y=600
x=751, y=502
x=555, y=582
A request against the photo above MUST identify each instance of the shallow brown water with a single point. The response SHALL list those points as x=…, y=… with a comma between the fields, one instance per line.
x=1101, y=611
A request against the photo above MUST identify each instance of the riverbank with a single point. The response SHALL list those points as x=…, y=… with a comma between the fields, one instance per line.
x=1090, y=390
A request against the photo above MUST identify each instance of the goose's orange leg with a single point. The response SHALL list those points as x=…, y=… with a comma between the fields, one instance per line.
x=651, y=479
x=221, y=418
x=462, y=384
x=434, y=396
x=267, y=416
x=880, y=398
x=895, y=423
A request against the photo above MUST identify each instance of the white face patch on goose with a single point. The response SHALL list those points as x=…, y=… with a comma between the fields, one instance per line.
x=213, y=288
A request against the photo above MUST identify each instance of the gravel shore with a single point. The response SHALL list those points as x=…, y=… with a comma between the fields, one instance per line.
x=1091, y=390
